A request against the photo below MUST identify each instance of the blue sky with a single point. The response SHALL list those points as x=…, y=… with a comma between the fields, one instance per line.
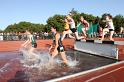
x=38, y=11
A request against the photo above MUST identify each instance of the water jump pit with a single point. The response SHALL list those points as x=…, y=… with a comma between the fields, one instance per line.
x=16, y=67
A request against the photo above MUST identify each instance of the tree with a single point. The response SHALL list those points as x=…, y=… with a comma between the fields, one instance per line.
x=57, y=21
x=88, y=17
x=118, y=22
x=23, y=26
x=1, y=30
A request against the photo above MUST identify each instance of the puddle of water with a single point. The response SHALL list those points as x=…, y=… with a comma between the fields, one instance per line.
x=41, y=69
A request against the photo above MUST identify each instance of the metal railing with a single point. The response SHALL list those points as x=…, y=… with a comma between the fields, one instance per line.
x=22, y=37
x=14, y=37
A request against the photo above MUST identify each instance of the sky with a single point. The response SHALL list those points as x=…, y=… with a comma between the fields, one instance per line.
x=38, y=11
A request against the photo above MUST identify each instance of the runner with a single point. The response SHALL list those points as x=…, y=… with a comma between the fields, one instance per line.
x=57, y=45
x=73, y=27
x=67, y=30
x=85, y=24
x=109, y=27
x=30, y=40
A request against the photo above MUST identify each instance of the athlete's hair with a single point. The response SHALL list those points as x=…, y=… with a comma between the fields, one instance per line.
x=29, y=30
x=110, y=16
x=54, y=27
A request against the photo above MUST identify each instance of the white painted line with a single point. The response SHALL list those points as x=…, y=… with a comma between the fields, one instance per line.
x=83, y=40
x=84, y=72
x=93, y=78
x=119, y=42
x=98, y=41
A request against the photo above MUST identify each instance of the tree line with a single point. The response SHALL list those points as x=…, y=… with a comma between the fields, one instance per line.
x=57, y=21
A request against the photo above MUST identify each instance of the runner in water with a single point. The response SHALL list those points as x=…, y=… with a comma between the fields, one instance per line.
x=30, y=40
x=109, y=27
x=58, y=47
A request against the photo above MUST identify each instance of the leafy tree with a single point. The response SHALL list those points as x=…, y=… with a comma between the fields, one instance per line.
x=56, y=21
x=22, y=26
x=1, y=30
x=88, y=17
x=118, y=22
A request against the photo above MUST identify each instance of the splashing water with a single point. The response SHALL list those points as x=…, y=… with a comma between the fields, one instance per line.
x=41, y=69
x=71, y=62
x=39, y=59
x=42, y=60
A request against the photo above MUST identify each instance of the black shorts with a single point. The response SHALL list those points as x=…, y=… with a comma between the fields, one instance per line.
x=60, y=49
x=111, y=29
x=73, y=30
x=34, y=45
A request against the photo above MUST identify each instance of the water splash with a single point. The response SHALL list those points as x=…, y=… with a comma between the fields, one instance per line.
x=42, y=60
x=37, y=59
x=72, y=62
x=42, y=69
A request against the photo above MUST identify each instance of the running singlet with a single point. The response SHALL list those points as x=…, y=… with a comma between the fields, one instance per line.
x=85, y=24
x=72, y=23
x=33, y=41
x=110, y=25
x=60, y=47
x=66, y=26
